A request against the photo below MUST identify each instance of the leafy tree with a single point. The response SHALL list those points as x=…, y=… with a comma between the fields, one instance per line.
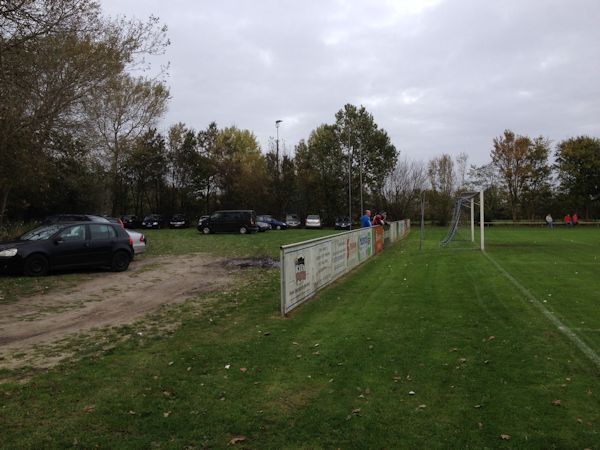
x=145, y=169
x=372, y=154
x=240, y=169
x=440, y=171
x=523, y=167
x=53, y=56
x=487, y=178
x=322, y=170
x=578, y=164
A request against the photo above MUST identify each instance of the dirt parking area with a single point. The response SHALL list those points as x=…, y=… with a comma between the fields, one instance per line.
x=106, y=299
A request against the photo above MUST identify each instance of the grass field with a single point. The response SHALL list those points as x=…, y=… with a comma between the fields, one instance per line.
x=438, y=348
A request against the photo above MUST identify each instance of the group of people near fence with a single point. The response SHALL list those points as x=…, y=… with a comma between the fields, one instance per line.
x=568, y=220
x=366, y=222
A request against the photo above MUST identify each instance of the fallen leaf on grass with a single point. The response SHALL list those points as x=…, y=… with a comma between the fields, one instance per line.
x=556, y=402
x=505, y=437
x=421, y=406
x=166, y=413
x=171, y=363
x=237, y=439
x=491, y=338
x=89, y=408
x=243, y=369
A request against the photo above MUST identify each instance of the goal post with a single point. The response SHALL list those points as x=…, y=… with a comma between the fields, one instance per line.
x=462, y=224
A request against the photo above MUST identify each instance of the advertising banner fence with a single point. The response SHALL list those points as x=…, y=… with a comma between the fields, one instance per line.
x=308, y=266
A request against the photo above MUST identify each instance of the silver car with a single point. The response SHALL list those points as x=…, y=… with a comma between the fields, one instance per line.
x=139, y=241
x=312, y=221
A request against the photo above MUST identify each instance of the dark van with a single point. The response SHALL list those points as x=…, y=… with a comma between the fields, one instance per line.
x=239, y=221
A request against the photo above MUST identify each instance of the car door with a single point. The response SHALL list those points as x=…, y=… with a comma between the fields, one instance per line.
x=229, y=221
x=102, y=238
x=70, y=247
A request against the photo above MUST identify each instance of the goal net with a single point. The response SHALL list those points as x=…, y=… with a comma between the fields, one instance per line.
x=467, y=213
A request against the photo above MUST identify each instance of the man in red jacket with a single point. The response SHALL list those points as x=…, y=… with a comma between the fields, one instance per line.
x=567, y=220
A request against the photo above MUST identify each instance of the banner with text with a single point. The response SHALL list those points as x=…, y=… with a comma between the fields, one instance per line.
x=308, y=266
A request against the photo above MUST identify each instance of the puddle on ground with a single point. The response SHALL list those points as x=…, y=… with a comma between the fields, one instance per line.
x=264, y=263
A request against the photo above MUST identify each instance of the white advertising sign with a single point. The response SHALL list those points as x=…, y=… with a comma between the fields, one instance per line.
x=309, y=266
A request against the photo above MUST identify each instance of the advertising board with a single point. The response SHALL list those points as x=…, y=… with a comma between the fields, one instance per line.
x=309, y=266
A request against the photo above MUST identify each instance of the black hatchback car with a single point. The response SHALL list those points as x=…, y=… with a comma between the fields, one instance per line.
x=67, y=245
x=179, y=221
x=153, y=221
x=239, y=220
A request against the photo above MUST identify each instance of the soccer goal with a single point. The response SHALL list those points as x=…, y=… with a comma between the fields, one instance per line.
x=462, y=224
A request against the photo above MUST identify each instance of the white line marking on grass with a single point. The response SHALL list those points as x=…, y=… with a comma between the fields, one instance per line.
x=591, y=354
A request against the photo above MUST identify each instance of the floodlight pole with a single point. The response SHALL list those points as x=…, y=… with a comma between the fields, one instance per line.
x=481, y=220
x=277, y=122
x=472, y=219
x=349, y=179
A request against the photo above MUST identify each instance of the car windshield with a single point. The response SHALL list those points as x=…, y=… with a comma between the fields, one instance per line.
x=312, y=217
x=40, y=234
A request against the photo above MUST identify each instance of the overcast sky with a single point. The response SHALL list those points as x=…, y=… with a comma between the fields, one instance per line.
x=441, y=76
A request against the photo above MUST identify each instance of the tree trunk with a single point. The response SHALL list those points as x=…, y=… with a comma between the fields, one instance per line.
x=3, y=204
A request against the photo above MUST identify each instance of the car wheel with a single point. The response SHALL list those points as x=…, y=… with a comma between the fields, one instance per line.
x=243, y=230
x=206, y=230
x=120, y=261
x=36, y=266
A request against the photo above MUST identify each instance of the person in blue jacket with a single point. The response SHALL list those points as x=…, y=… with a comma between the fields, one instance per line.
x=365, y=220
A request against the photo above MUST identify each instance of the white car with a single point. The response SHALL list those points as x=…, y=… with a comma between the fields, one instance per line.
x=139, y=241
x=312, y=221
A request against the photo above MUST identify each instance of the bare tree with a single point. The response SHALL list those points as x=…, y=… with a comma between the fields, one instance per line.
x=404, y=186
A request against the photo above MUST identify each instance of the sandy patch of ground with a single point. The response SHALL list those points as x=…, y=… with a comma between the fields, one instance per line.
x=107, y=299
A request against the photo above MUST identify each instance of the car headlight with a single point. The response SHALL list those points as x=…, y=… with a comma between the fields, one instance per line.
x=9, y=253
x=155, y=223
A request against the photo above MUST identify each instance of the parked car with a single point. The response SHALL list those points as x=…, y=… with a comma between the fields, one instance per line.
x=179, y=221
x=139, y=241
x=60, y=218
x=67, y=245
x=240, y=220
x=292, y=220
x=342, y=223
x=313, y=221
x=275, y=224
x=130, y=221
x=153, y=221
x=263, y=226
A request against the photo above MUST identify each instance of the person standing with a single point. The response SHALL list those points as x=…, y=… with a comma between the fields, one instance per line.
x=365, y=219
x=549, y=221
x=567, y=220
x=378, y=220
x=574, y=219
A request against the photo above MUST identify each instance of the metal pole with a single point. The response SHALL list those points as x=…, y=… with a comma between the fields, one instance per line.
x=277, y=122
x=349, y=179
x=481, y=220
x=360, y=178
x=472, y=219
x=422, y=236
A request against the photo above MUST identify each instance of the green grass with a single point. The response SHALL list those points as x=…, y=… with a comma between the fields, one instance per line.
x=176, y=242
x=443, y=323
